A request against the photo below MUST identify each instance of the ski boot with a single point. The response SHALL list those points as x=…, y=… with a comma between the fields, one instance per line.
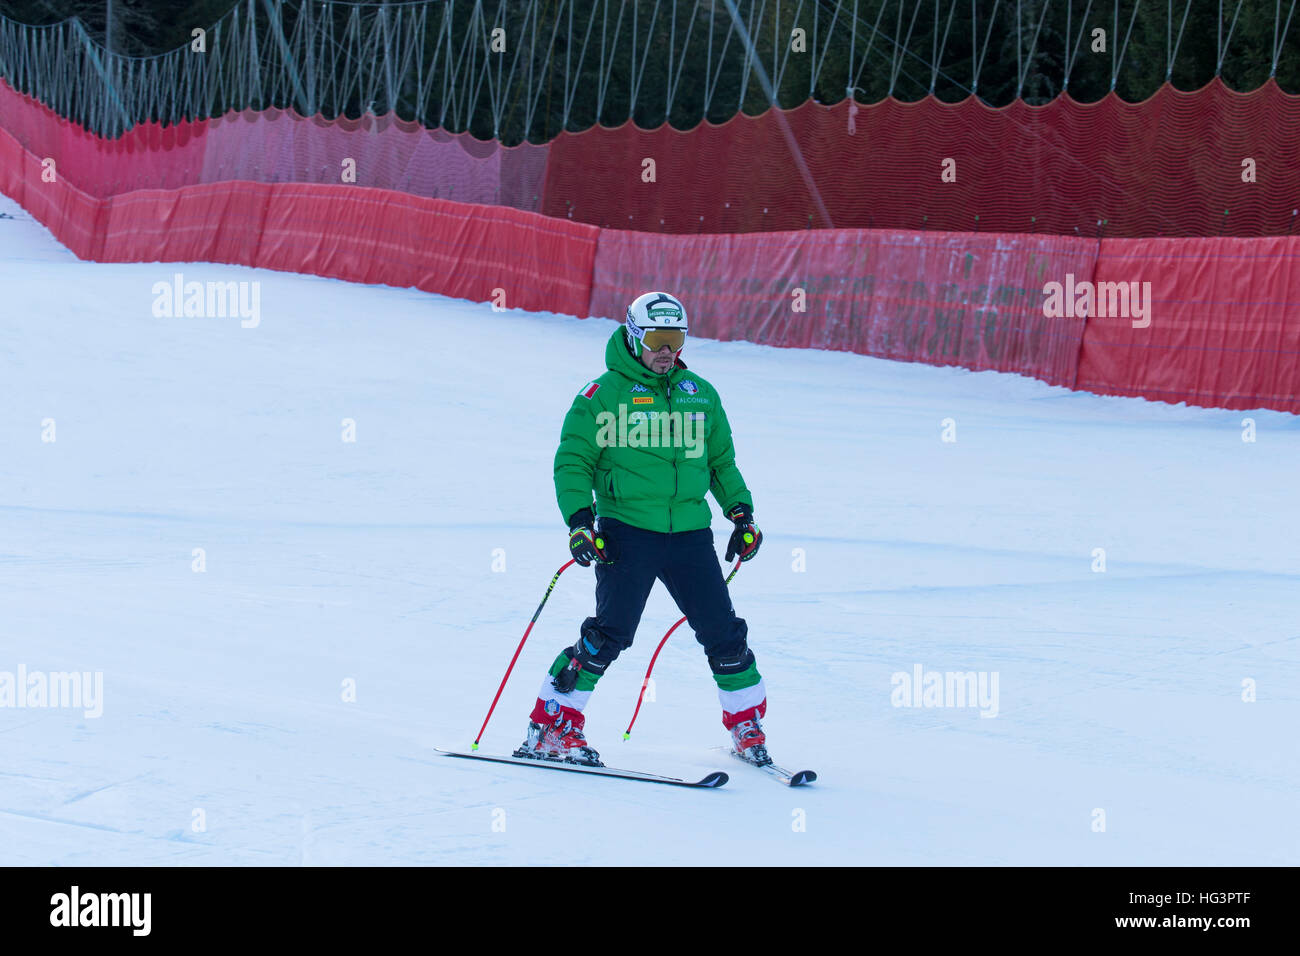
x=563, y=743
x=750, y=742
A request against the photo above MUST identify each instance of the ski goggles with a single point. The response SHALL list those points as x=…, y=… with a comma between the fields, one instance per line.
x=655, y=339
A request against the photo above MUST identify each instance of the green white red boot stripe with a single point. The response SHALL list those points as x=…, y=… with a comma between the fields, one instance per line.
x=574, y=699
x=736, y=701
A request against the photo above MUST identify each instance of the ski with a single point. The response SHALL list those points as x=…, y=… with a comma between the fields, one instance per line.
x=791, y=778
x=711, y=781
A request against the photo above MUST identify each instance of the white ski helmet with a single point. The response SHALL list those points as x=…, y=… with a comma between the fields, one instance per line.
x=654, y=320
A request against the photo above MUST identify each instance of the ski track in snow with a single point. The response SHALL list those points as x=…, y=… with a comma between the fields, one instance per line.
x=372, y=561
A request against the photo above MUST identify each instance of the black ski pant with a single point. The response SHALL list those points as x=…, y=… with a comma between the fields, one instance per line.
x=688, y=566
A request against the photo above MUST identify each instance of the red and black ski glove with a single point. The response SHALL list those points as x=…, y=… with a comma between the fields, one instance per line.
x=585, y=544
x=746, y=538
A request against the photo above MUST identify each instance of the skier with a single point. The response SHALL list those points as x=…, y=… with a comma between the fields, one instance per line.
x=649, y=438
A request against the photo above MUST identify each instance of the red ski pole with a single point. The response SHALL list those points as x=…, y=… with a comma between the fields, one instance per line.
x=536, y=615
x=655, y=656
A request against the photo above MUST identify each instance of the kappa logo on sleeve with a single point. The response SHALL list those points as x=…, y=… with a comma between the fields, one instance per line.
x=589, y=389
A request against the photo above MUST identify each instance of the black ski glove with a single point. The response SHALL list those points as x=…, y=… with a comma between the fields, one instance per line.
x=746, y=538
x=585, y=544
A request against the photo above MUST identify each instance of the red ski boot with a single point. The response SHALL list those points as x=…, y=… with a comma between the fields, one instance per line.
x=560, y=740
x=750, y=742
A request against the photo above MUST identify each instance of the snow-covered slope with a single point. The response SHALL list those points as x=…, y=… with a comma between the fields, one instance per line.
x=225, y=736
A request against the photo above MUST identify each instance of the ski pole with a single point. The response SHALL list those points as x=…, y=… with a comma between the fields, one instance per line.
x=536, y=615
x=655, y=656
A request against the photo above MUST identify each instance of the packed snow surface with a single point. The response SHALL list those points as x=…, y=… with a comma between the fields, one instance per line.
x=1119, y=576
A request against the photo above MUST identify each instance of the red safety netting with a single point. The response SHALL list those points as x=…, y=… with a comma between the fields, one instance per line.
x=361, y=235
x=1171, y=165
x=147, y=157
x=1224, y=323
x=222, y=222
x=279, y=146
x=941, y=298
x=456, y=249
x=74, y=218
x=1225, y=326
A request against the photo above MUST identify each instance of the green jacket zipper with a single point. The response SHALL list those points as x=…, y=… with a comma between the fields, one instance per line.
x=668, y=397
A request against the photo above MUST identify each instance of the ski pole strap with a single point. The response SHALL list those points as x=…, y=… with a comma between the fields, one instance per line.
x=536, y=614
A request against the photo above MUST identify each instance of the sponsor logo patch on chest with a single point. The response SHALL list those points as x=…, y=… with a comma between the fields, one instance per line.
x=643, y=400
x=687, y=386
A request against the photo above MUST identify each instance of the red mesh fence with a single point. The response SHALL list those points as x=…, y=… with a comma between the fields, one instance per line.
x=361, y=235
x=456, y=249
x=277, y=146
x=941, y=298
x=1224, y=323
x=75, y=219
x=1169, y=166
x=1225, y=313
x=221, y=222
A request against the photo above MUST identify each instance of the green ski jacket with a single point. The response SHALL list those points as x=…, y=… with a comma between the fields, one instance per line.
x=648, y=445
